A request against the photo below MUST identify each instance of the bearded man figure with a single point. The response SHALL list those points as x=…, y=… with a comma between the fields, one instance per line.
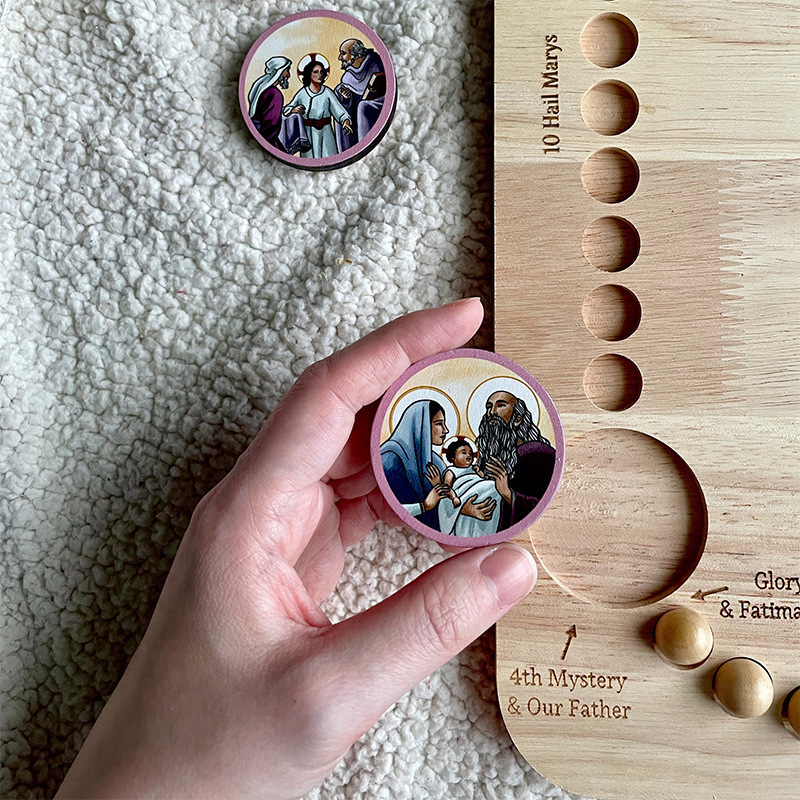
x=513, y=452
x=265, y=99
x=361, y=91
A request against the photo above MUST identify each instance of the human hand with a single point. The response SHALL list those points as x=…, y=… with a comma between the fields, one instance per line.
x=346, y=93
x=298, y=110
x=438, y=488
x=446, y=490
x=482, y=510
x=348, y=126
x=498, y=473
x=241, y=685
x=434, y=496
x=433, y=474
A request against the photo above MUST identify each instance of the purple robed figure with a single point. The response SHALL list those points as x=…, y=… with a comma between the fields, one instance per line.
x=267, y=116
x=361, y=91
x=265, y=100
x=535, y=464
x=515, y=455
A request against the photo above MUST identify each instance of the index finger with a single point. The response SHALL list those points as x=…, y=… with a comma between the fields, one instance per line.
x=306, y=433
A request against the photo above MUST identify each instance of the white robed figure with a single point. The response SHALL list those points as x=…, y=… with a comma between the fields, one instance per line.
x=318, y=105
x=467, y=484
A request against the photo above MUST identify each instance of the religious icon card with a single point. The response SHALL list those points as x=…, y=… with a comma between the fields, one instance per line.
x=318, y=90
x=468, y=448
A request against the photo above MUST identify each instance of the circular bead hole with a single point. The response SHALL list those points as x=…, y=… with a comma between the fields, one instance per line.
x=628, y=525
x=611, y=244
x=610, y=175
x=610, y=108
x=612, y=312
x=612, y=382
x=609, y=40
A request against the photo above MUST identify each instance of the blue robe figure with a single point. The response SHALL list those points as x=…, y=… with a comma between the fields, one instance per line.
x=406, y=454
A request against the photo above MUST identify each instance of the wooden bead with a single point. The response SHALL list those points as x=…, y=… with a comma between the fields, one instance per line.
x=792, y=712
x=683, y=638
x=743, y=687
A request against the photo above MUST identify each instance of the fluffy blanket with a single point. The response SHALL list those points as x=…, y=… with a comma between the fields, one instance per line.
x=163, y=282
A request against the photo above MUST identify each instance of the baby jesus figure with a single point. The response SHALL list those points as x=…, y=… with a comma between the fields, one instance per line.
x=466, y=482
x=460, y=455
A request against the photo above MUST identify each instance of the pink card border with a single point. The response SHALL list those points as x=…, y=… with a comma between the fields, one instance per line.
x=378, y=129
x=438, y=536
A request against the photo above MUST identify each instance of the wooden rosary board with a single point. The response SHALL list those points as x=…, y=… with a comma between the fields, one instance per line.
x=647, y=272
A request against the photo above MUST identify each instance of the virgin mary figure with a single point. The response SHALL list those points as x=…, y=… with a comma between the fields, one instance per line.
x=407, y=455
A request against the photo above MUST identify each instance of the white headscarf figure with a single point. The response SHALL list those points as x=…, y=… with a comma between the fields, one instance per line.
x=273, y=69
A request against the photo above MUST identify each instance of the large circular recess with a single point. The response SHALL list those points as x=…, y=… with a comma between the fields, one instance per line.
x=629, y=523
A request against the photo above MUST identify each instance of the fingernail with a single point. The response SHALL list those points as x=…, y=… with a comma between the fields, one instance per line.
x=464, y=300
x=510, y=572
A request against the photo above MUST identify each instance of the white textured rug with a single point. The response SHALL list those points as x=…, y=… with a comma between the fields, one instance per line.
x=162, y=283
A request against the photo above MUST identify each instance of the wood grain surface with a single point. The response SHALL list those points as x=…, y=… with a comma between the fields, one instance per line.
x=650, y=279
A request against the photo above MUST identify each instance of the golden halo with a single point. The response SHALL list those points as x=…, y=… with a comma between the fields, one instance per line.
x=308, y=58
x=452, y=418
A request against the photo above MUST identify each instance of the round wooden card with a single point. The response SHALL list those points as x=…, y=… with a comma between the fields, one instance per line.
x=318, y=90
x=467, y=448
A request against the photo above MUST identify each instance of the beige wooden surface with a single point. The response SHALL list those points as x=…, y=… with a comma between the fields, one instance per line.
x=695, y=485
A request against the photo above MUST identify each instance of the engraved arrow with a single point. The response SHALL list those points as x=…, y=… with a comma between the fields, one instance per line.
x=698, y=595
x=571, y=634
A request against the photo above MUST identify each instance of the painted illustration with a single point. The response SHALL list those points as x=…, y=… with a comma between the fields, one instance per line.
x=467, y=448
x=314, y=108
x=265, y=100
x=362, y=91
x=322, y=88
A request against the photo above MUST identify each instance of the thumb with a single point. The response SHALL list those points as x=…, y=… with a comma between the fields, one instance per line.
x=385, y=651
